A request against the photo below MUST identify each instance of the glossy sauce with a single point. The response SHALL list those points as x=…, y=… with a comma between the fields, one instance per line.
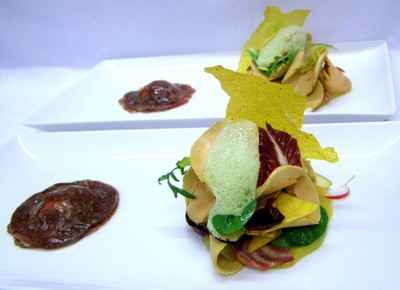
x=157, y=96
x=62, y=214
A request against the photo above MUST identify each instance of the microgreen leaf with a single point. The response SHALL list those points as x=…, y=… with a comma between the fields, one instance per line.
x=230, y=224
x=181, y=165
x=227, y=224
x=172, y=174
x=279, y=60
x=172, y=187
x=177, y=190
x=253, y=53
x=184, y=162
x=162, y=178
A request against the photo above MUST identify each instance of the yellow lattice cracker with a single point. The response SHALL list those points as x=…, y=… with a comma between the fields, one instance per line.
x=251, y=98
x=274, y=21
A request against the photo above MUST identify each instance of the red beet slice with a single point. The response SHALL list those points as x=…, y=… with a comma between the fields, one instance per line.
x=264, y=258
x=265, y=217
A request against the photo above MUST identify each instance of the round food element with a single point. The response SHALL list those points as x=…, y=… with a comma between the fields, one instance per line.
x=63, y=214
x=157, y=96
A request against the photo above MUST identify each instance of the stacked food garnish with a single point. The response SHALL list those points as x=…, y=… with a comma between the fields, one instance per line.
x=281, y=51
x=249, y=186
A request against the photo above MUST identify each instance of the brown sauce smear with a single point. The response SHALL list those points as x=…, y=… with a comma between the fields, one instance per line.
x=63, y=214
x=157, y=96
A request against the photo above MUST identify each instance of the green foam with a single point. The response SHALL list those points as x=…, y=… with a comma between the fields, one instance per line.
x=289, y=39
x=231, y=170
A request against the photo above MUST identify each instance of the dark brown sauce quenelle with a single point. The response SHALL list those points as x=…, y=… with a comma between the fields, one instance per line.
x=157, y=96
x=63, y=214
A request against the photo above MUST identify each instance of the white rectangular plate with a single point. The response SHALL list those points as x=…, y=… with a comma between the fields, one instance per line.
x=93, y=102
x=147, y=244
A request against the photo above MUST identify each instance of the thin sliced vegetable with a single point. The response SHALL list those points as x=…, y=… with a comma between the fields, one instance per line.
x=345, y=193
x=302, y=236
x=322, y=181
x=341, y=192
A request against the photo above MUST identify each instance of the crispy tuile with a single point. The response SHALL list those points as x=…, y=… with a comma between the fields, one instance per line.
x=252, y=98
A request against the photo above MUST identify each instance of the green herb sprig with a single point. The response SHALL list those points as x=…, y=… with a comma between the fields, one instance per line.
x=279, y=60
x=181, y=166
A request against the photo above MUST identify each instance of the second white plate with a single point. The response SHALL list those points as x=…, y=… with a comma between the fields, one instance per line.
x=147, y=244
x=93, y=102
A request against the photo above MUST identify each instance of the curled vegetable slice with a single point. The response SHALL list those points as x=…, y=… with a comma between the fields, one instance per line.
x=256, y=242
x=302, y=236
x=282, y=177
x=277, y=149
x=264, y=258
x=198, y=228
x=305, y=189
x=198, y=208
x=317, y=97
x=334, y=80
x=223, y=257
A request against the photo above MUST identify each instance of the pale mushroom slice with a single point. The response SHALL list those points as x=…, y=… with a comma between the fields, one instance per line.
x=253, y=70
x=280, y=72
x=197, y=209
x=303, y=80
x=306, y=190
x=306, y=164
x=317, y=97
x=280, y=178
x=297, y=63
x=201, y=147
x=301, y=207
x=302, y=83
x=299, y=60
x=334, y=80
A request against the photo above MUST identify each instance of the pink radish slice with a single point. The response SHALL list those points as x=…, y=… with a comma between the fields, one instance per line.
x=341, y=192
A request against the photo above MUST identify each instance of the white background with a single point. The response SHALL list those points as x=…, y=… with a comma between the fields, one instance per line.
x=46, y=45
x=75, y=32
